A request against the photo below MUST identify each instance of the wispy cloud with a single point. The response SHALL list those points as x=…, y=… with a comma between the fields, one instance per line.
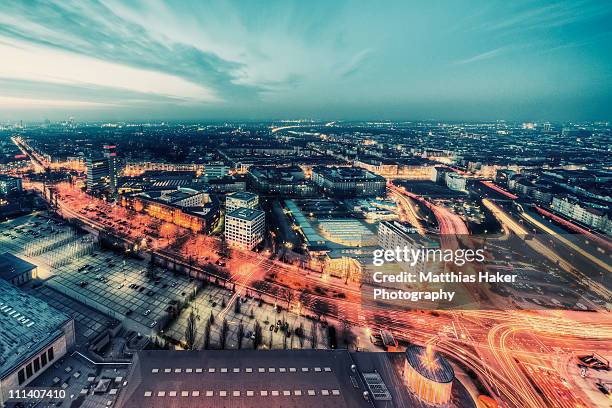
x=90, y=36
x=483, y=56
x=356, y=62
x=543, y=16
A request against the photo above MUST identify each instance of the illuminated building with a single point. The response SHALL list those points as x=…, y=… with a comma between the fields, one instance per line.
x=428, y=375
x=197, y=211
x=111, y=157
x=378, y=166
x=589, y=213
x=245, y=227
x=280, y=180
x=33, y=337
x=137, y=168
x=102, y=171
x=348, y=181
x=216, y=170
x=455, y=181
x=439, y=174
x=347, y=231
x=9, y=184
x=97, y=173
x=241, y=199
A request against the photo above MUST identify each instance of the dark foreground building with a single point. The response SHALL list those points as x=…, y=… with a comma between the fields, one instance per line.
x=273, y=379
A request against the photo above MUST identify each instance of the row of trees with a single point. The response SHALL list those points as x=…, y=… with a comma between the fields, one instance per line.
x=257, y=337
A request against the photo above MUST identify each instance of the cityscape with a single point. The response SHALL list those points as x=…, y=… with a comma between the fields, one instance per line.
x=178, y=230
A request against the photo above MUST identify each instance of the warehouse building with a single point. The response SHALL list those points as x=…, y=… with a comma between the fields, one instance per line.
x=34, y=335
x=272, y=379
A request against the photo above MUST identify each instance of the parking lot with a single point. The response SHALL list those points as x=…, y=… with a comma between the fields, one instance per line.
x=119, y=287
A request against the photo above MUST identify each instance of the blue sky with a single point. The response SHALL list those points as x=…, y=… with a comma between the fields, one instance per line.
x=306, y=59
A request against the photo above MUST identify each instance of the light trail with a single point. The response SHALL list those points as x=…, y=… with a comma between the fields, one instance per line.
x=545, y=250
x=493, y=361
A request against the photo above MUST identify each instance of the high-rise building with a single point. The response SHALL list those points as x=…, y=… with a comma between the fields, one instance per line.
x=241, y=199
x=97, y=173
x=102, y=171
x=245, y=227
x=110, y=154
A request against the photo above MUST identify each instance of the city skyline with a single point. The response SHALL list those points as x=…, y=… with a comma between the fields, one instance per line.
x=336, y=60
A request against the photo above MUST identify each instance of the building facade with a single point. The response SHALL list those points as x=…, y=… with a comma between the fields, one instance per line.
x=9, y=184
x=245, y=227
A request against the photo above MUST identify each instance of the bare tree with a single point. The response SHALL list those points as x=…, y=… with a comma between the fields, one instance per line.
x=320, y=307
x=289, y=295
x=314, y=336
x=223, y=334
x=348, y=337
x=237, y=305
x=300, y=334
x=191, y=331
x=240, y=334
x=258, y=335
x=207, y=335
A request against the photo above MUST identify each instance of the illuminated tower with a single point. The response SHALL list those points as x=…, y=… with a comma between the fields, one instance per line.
x=110, y=154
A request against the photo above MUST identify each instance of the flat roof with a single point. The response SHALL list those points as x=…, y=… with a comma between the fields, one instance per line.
x=247, y=214
x=243, y=195
x=12, y=266
x=28, y=325
x=338, y=174
x=260, y=378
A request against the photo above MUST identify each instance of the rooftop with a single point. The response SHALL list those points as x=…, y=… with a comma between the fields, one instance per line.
x=346, y=173
x=243, y=195
x=12, y=266
x=28, y=325
x=247, y=214
x=256, y=378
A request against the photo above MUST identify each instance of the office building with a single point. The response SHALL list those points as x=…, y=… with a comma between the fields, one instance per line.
x=241, y=199
x=439, y=174
x=245, y=227
x=348, y=181
x=394, y=234
x=216, y=170
x=455, y=182
x=97, y=174
x=110, y=154
x=9, y=184
x=34, y=335
x=185, y=207
x=102, y=171
x=285, y=181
